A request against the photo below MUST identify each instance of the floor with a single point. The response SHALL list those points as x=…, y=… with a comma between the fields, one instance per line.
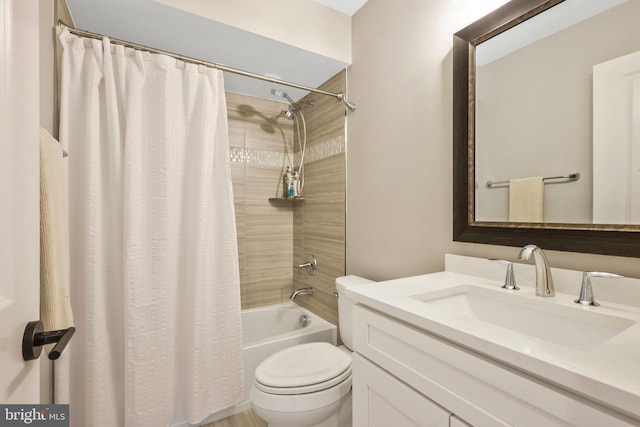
x=243, y=419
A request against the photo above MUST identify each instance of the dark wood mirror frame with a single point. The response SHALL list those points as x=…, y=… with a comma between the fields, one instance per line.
x=620, y=240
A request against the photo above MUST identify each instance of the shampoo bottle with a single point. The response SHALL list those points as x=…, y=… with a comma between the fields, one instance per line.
x=286, y=182
x=295, y=184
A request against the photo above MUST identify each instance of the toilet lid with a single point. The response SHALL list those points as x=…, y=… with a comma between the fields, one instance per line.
x=298, y=367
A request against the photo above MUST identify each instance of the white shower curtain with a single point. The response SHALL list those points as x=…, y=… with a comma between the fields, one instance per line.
x=154, y=267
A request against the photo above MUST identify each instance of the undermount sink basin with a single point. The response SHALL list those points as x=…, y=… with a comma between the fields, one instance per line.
x=575, y=327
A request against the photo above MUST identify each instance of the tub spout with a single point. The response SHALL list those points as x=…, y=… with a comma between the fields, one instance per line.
x=301, y=291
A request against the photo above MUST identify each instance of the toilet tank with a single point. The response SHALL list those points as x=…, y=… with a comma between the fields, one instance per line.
x=345, y=307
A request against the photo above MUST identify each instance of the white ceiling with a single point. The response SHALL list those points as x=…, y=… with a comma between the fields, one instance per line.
x=348, y=7
x=150, y=23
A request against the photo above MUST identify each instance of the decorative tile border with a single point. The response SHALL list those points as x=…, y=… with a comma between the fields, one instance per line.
x=257, y=157
x=314, y=153
x=325, y=149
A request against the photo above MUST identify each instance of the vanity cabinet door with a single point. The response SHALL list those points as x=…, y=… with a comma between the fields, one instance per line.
x=381, y=400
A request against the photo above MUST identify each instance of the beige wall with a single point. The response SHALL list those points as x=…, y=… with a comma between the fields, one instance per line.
x=399, y=197
x=399, y=140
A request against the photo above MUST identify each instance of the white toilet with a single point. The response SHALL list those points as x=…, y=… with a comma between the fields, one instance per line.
x=309, y=385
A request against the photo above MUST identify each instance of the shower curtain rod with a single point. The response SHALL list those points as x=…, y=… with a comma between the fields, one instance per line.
x=340, y=96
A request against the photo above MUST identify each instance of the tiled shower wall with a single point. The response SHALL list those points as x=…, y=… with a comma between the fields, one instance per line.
x=274, y=237
x=261, y=144
x=319, y=221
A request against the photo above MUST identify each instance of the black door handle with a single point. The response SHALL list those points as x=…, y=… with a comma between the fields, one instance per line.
x=35, y=337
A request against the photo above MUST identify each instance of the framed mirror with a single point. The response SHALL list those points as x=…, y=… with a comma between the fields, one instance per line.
x=545, y=130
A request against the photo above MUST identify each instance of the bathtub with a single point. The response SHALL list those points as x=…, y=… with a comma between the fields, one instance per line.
x=267, y=330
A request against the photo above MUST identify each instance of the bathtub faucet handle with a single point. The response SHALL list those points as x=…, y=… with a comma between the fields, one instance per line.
x=310, y=264
x=301, y=291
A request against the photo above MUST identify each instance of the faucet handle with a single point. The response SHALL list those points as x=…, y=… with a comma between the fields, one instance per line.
x=586, y=291
x=510, y=278
x=310, y=264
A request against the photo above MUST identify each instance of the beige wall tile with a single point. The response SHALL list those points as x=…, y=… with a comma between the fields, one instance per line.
x=330, y=256
x=269, y=134
x=274, y=237
x=324, y=220
x=325, y=178
x=322, y=216
x=236, y=132
x=269, y=220
x=263, y=218
x=326, y=119
x=268, y=274
x=269, y=257
x=298, y=239
x=270, y=290
x=265, y=231
x=262, y=183
x=262, y=126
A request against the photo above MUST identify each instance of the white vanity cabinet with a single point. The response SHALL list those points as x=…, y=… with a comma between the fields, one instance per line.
x=381, y=400
x=405, y=376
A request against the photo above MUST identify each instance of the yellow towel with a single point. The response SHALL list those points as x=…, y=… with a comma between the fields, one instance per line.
x=526, y=200
x=55, y=305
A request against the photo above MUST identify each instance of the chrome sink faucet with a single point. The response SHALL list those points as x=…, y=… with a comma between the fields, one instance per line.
x=544, y=281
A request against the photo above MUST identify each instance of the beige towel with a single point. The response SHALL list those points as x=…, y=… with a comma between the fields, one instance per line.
x=55, y=305
x=526, y=200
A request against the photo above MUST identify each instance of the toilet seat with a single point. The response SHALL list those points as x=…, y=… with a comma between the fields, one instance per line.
x=311, y=388
x=283, y=373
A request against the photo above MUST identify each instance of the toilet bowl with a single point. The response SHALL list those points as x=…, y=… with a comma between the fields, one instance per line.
x=302, y=385
x=309, y=385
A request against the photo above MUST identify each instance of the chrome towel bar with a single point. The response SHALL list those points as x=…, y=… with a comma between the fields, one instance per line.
x=566, y=178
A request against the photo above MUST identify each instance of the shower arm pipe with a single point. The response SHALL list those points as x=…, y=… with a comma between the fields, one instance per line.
x=340, y=96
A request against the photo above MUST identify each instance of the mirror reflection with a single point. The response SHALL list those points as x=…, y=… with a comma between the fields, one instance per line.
x=557, y=133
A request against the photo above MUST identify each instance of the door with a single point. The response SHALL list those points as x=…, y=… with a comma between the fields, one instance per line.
x=19, y=196
x=616, y=141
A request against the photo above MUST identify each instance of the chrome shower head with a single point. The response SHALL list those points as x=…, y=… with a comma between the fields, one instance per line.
x=288, y=114
x=284, y=95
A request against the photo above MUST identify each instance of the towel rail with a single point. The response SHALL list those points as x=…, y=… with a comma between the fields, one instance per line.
x=567, y=178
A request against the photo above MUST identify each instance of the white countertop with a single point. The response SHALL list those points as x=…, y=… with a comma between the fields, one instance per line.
x=608, y=373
